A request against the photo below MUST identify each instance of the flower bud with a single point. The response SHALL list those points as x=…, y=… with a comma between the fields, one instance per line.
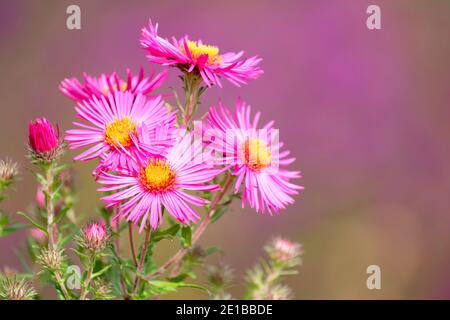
x=43, y=139
x=51, y=259
x=8, y=172
x=95, y=236
x=38, y=235
x=279, y=292
x=285, y=251
x=219, y=276
x=13, y=288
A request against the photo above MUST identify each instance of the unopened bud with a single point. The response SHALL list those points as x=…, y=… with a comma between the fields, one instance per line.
x=95, y=236
x=13, y=288
x=283, y=250
x=43, y=140
x=8, y=172
x=50, y=259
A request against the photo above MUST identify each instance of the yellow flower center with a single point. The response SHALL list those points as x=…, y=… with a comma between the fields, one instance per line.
x=198, y=49
x=256, y=154
x=119, y=132
x=123, y=87
x=157, y=176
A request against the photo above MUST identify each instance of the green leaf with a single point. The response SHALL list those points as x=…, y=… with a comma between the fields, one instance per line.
x=209, y=251
x=69, y=237
x=219, y=213
x=33, y=222
x=62, y=213
x=162, y=287
x=164, y=234
x=4, y=220
x=182, y=276
x=4, y=231
x=102, y=271
x=186, y=236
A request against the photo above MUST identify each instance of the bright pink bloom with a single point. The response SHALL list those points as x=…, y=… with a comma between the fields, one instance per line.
x=43, y=137
x=161, y=182
x=196, y=56
x=122, y=128
x=107, y=83
x=255, y=156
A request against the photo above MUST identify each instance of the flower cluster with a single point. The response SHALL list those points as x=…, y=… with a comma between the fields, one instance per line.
x=155, y=163
x=149, y=163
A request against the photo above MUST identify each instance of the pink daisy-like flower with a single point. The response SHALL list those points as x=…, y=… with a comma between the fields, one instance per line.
x=190, y=55
x=107, y=83
x=160, y=182
x=255, y=156
x=122, y=128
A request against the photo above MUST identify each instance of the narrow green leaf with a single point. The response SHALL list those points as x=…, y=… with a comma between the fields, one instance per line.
x=102, y=271
x=69, y=237
x=4, y=231
x=33, y=222
x=186, y=236
x=167, y=233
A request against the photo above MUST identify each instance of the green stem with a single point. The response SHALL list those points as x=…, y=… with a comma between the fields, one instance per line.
x=142, y=257
x=88, y=279
x=192, y=95
x=198, y=232
x=130, y=236
x=50, y=208
x=60, y=281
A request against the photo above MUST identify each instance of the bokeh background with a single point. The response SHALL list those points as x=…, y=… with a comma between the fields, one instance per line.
x=365, y=112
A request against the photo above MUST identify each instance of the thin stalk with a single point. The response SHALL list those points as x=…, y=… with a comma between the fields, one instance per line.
x=88, y=279
x=50, y=206
x=130, y=236
x=142, y=257
x=198, y=232
x=60, y=281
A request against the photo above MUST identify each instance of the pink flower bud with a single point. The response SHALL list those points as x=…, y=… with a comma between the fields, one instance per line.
x=38, y=235
x=40, y=198
x=284, y=250
x=95, y=236
x=43, y=139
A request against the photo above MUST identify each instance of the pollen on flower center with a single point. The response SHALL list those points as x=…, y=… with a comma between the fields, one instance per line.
x=122, y=87
x=198, y=49
x=157, y=176
x=256, y=154
x=119, y=132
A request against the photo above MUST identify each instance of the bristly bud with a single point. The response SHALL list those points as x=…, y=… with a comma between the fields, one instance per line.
x=263, y=281
x=102, y=290
x=284, y=251
x=279, y=292
x=94, y=237
x=219, y=278
x=8, y=173
x=51, y=259
x=44, y=141
x=13, y=288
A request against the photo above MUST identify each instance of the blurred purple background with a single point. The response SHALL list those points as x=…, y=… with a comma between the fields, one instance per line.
x=365, y=113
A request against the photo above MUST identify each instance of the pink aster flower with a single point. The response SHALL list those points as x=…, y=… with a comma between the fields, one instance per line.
x=107, y=83
x=159, y=182
x=195, y=56
x=255, y=156
x=121, y=128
